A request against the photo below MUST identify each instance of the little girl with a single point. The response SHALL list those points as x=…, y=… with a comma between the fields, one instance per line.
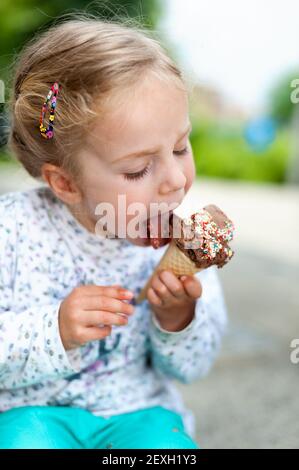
x=81, y=365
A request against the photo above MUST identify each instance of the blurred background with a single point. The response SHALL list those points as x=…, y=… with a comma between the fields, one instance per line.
x=241, y=62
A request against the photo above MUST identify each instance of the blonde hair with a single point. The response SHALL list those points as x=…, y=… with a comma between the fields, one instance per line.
x=93, y=60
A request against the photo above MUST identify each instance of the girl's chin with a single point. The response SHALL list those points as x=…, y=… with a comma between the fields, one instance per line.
x=149, y=242
x=139, y=241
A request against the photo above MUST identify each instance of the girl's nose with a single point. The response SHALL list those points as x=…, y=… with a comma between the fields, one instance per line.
x=173, y=179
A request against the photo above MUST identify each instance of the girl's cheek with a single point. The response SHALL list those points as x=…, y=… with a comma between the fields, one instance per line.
x=190, y=173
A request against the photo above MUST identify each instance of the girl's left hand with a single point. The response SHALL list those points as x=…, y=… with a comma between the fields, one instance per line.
x=173, y=300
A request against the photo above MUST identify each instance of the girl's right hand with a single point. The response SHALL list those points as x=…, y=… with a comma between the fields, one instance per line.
x=88, y=306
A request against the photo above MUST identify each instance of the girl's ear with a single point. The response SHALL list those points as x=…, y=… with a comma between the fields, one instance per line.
x=61, y=183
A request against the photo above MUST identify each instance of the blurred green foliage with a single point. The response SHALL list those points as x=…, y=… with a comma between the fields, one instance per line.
x=6, y=158
x=20, y=19
x=280, y=104
x=219, y=150
x=222, y=152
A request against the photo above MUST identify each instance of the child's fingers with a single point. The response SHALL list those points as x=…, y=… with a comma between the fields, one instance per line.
x=160, y=288
x=172, y=283
x=192, y=286
x=114, y=291
x=106, y=303
x=94, y=333
x=93, y=318
x=153, y=298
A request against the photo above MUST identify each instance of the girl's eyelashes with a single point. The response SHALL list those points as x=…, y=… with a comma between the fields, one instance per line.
x=142, y=173
x=138, y=175
x=181, y=152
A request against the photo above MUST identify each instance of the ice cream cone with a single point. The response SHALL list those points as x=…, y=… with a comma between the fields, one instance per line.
x=173, y=260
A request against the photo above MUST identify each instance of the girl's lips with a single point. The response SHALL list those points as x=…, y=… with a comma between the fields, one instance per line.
x=158, y=230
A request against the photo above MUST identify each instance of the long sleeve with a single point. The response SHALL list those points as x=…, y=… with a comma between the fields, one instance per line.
x=188, y=354
x=31, y=349
x=44, y=254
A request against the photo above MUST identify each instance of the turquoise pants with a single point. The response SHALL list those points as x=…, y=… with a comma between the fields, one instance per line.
x=51, y=427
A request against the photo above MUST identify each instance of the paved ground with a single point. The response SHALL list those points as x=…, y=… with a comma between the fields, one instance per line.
x=250, y=399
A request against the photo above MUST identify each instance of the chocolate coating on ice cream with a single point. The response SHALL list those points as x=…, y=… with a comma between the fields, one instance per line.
x=204, y=236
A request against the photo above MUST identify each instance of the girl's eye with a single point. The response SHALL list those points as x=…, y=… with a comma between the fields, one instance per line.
x=136, y=176
x=142, y=173
x=181, y=152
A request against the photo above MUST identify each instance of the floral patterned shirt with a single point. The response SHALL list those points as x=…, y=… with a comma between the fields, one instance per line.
x=44, y=254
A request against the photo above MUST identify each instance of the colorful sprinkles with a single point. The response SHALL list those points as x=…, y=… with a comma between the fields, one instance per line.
x=214, y=239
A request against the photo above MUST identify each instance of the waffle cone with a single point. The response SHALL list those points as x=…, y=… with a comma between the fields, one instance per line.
x=173, y=260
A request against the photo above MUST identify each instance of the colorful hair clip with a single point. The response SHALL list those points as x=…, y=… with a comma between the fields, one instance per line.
x=48, y=132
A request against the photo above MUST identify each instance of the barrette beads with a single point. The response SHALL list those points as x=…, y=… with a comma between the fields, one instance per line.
x=48, y=132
